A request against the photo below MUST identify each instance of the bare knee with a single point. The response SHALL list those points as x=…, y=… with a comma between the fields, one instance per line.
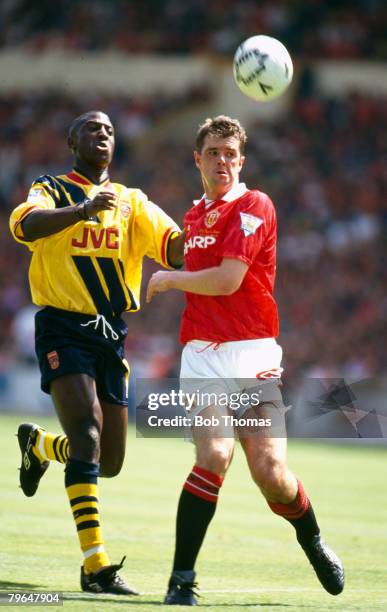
x=215, y=458
x=84, y=441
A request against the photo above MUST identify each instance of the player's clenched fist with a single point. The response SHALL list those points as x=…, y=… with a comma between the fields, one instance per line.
x=159, y=282
x=104, y=200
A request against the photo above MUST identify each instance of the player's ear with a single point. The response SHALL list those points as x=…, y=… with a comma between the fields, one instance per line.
x=241, y=161
x=197, y=158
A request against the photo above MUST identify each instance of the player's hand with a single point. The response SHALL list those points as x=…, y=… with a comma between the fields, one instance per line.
x=104, y=200
x=159, y=282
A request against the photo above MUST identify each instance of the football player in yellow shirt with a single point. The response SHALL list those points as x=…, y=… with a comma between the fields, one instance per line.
x=88, y=237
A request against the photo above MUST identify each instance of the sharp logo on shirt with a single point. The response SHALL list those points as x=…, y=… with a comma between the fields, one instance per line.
x=53, y=360
x=249, y=223
x=34, y=195
x=97, y=237
x=211, y=218
x=200, y=242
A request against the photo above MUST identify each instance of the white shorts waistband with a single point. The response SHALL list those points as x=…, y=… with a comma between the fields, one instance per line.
x=238, y=344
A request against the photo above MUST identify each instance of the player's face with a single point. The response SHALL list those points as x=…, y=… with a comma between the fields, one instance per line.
x=94, y=141
x=220, y=162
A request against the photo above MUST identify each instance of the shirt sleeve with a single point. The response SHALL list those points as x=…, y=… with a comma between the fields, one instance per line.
x=154, y=228
x=40, y=197
x=246, y=230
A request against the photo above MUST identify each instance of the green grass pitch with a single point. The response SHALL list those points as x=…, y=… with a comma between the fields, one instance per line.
x=250, y=559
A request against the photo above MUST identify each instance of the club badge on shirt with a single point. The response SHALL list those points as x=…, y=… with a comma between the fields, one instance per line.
x=211, y=218
x=249, y=223
x=125, y=210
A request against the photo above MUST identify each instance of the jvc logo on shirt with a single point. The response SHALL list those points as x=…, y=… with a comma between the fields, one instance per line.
x=95, y=237
x=200, y=242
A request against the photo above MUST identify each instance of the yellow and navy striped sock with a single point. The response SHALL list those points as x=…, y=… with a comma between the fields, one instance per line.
x=51, y=447
x=82, y=490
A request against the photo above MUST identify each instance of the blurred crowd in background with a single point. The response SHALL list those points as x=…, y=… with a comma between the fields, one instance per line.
x=323, y=164
x=316, y=28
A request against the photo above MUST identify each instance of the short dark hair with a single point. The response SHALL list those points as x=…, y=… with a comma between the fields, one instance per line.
x=221, y=127
x=79, y=121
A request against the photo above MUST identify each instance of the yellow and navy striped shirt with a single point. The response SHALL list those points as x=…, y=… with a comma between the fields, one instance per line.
x=93, y=266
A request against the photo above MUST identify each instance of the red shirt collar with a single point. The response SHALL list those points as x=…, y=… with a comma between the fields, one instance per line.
x=77, y=177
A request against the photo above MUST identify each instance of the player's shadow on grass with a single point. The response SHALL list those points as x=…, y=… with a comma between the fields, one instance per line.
x=159, y=602
x=7, y=585
x=20, y=586
x=120, y=599
x=26, y=586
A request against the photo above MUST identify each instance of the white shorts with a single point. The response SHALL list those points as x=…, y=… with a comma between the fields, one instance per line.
x=230, y=368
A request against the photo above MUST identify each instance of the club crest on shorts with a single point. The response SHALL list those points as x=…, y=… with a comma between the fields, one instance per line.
x=53, y=360
x=249, y=223
x=211, y=218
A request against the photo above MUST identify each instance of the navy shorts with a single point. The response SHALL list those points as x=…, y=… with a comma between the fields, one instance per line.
x=73, y=343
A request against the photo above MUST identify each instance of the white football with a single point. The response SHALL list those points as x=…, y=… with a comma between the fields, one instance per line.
x=262, y=68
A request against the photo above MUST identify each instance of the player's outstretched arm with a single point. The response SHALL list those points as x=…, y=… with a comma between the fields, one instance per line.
x=175, y=251
x=224, y=279
x=40, y=223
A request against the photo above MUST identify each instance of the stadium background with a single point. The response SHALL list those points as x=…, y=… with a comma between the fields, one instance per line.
x=160, y=69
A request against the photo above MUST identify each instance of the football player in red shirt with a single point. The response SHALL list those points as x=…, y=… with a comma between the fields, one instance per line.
x=229, y=328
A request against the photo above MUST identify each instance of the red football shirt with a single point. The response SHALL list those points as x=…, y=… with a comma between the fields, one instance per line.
x=244, y=228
